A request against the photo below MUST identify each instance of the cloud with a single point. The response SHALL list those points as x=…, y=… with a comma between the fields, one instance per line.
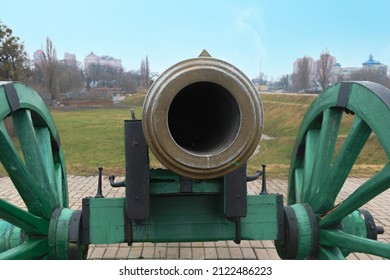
x=249, y=22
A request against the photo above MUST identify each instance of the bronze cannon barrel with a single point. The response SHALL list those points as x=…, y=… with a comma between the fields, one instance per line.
x=202, y=118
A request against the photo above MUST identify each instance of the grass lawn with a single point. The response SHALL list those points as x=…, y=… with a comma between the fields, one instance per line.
x=95, y=137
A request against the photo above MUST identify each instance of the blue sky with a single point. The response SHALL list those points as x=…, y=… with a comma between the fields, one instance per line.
x=254, y=35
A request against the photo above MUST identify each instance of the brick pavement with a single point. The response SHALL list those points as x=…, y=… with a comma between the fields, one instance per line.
x=79, y=187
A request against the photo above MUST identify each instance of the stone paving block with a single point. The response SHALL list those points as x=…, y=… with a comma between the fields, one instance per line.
x=223, y=253
x=262, y=254
x=172, y=253
x=209, y=244
x=210, y=253
x=110, y=253
x=160, y=252
x=235, y=253
x=221, y=243
x=98, y=253
x=185, y=253
x=135, y=253
x=198, y=253
x=197, y=244
x=273, y=254
x=248, y=253
x=148, y=252
x=123, y=253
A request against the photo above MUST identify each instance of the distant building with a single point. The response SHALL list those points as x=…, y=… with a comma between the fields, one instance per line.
x=70, y=59
x=39, y=57
x=341, y=73
x=110, y=61
x=104, y=60
x=375, y=65
x=90, y=59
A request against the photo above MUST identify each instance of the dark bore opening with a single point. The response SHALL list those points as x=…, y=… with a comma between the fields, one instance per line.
x=204, y=118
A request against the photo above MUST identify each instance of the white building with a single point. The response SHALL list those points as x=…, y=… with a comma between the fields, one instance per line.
x=104, y=60
x=70, y=59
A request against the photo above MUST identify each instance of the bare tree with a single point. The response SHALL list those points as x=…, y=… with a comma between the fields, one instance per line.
x=373, y=75
x=142, y=72
x=70, y=78
x=324, y=66
x=50, y=69
x=283, y=81
x=301, y=77
x=145, y=72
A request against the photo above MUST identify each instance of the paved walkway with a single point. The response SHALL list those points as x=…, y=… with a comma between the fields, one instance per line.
x=80, y=187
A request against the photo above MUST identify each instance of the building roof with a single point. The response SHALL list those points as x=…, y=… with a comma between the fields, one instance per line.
x=371, y=61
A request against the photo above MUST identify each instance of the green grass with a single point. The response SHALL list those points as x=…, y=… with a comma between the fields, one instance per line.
x=93, y=138
x=283, y=115
x=135, y=100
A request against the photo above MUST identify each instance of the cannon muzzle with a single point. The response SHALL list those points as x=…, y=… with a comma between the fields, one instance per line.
x=202, y=118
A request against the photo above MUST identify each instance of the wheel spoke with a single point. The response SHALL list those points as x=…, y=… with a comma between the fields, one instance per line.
x=20, y=176
x=28, y=222
x=33, y=158
x=330, y=253
x=367, y=191
x=353, y=243
x=324, y=155
x=298, y=183
x=311, y=143
x=44, y=142
x=30, y=250
x=345, y=159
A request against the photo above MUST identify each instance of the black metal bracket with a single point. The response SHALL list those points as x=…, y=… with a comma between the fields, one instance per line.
x=99, y=193
x=236, y=193
x=264, y=181
x=238, y=231
x=137, y=172
x=114, y=184
x=185, y=184
x=85, y=226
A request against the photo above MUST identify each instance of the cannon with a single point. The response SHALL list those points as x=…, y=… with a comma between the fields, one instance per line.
x=202, y=119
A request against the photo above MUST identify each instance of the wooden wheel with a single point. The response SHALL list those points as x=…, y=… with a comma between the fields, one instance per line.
x=318, y=172
x=34, y=161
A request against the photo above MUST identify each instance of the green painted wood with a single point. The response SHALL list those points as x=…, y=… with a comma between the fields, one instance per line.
x=353, y=243
x=44, y=143
x=311, y=143
x=30, y=223
x=324, y=101
x=184, y=218
x=19, y=174
x=106, y=220
x=29, y=250
x=33, y=158
x=343, y=164
x=370, y=105
x=58, y=238
x=305, y=244
x=330, y=253
x=321, y=168
x=10, y=237
x=298, y=183
x=39, y=175
x=366, y=192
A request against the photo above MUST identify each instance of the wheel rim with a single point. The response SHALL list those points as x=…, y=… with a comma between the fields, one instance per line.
x=318, y=173
x=37, y=172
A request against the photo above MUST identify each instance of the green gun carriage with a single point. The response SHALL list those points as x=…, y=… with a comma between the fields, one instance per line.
x=202, y=193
